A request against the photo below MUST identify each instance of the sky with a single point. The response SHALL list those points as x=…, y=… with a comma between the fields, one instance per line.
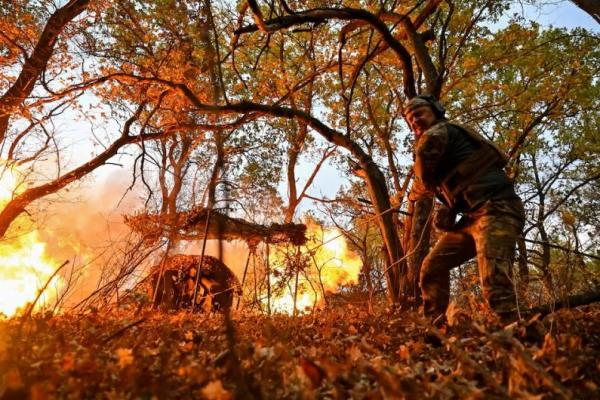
x=563, y=14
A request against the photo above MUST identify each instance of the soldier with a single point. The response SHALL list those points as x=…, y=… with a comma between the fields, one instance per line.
x=465, y=171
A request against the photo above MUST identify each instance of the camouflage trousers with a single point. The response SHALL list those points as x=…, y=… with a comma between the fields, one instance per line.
x=489, y=233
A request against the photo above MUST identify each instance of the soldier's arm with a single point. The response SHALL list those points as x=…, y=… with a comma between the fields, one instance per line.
x=429, y=151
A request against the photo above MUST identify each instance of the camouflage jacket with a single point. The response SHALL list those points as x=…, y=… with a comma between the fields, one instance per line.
x=446, y=148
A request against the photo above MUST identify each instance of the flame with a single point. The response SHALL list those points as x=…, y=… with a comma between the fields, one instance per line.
x=341, y=266
x=305, y=302
x=328, y=252
x=24, y=267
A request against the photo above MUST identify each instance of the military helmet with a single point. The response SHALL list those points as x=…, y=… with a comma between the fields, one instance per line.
x=425, y=100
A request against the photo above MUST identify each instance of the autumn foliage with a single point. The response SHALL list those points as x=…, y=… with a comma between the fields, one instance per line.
x=341, y=352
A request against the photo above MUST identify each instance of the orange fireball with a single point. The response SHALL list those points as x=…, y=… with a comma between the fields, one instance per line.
x=24, y=267
x=332, y=265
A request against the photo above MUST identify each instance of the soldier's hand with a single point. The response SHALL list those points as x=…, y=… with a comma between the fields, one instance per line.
x=445, y=219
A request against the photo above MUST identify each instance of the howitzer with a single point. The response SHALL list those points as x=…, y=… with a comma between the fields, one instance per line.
x=175, y=289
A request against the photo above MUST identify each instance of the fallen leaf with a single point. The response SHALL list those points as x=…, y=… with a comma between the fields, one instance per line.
x=12, y=379
x=355, y=353
x=452, y=313
x=125, y=357
x=68, y=362
x=215, y=391
x=312, y=371
x=403, y=352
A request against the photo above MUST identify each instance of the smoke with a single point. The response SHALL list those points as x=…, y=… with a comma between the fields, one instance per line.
x=84, y=225
x=87, y=218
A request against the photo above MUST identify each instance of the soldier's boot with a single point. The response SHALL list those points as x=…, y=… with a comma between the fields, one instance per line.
x=435, y=291
x=435, y=302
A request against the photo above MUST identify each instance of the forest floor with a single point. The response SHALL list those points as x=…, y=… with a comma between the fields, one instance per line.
x=343, y=352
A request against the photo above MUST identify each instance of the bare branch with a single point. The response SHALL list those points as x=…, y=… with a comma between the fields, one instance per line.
x=321, y=15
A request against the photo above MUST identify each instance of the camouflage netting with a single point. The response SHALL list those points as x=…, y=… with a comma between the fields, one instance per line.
x=191, y=225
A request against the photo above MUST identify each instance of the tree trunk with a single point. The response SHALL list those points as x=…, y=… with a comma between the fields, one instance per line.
x=418, y=247
x=571, y=301
x=545, y=266
x=380, y=198
x=592, y=7
x=296, y=145
x=523, y=267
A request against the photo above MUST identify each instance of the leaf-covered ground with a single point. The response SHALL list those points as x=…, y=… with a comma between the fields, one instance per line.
x=343, y=352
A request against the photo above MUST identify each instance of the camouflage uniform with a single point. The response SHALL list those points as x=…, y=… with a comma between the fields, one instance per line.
x=492, y=219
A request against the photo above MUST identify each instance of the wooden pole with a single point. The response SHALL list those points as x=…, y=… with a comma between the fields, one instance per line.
x=255, y=284
x=268, y=273
x=297, y=264
x=250, y=251
x=197, y=283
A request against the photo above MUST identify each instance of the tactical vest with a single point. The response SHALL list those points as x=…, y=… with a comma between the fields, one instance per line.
x=487, y=155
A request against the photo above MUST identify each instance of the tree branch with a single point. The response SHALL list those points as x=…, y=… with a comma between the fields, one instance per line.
x=320, y=15
x=36, y=64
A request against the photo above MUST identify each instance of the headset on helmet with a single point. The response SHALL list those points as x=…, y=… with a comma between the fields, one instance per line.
x=427, y=99
x=438, y=108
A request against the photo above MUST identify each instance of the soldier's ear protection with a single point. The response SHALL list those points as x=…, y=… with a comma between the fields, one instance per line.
x=438, y=108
